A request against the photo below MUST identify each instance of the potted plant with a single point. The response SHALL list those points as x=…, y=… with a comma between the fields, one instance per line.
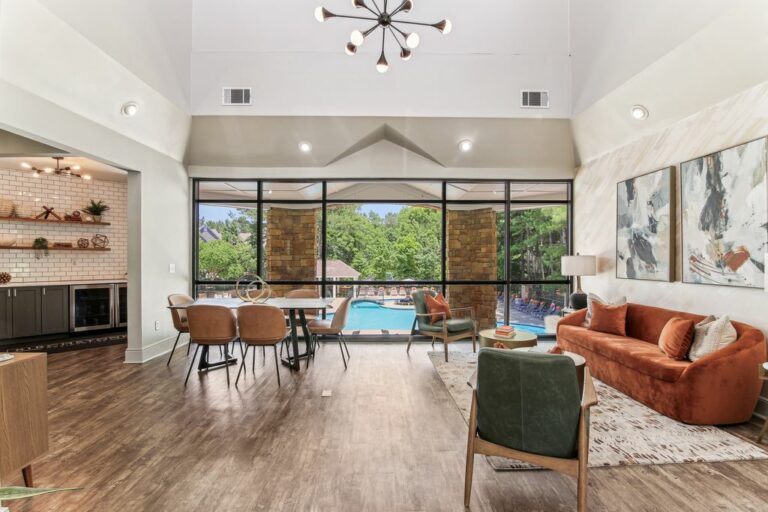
x=17, y=493
x=96, y=209
x=40, y=245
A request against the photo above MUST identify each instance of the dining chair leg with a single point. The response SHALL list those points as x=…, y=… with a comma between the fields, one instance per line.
x=242, y=364
x=226, y=361
x=253, y=357
x=189, y=345
x=344, y=340
x=191, y=364
x=277, y=365
x=173, y=349
x=342, y=353
x=408, y=348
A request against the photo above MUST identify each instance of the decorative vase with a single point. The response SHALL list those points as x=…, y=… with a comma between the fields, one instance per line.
x=97, y=218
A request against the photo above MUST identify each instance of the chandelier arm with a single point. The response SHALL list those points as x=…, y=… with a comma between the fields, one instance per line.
x=416, y=23
x=355, y=17
x=371, y=30
x=385, y=5
x=399, y=8
x=376, y=6
x=394, y=36
x=401, y=32
x=383, y=40
x=371, y=10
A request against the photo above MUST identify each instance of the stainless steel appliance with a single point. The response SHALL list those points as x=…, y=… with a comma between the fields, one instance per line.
x=121, y=305
x=92, y=307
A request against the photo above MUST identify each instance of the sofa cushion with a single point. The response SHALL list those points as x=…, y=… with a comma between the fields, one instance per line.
x=676, y=338
x=630, y=352
x=609, y=319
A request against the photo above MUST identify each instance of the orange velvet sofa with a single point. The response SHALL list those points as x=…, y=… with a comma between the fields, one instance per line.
x=718, y=389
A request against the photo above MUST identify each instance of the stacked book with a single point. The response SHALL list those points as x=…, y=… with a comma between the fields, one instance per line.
x=505, y=331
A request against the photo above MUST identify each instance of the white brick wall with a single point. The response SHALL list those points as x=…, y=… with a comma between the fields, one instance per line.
x=65, y=195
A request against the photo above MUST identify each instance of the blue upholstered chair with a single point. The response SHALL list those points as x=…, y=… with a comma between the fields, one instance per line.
x=447, y=331
x=528, y=406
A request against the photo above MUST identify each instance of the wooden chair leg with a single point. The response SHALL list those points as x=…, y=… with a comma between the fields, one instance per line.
x=763, y=431
x=408, y=348
x=26, y=472
x=581, y=487
x=470, y=466
x=474, y=343
x=445, y=348
x=433, y=342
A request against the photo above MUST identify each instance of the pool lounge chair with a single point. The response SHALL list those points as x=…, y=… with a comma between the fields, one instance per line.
x=447, y=331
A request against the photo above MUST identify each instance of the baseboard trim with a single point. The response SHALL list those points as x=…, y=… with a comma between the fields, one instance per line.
x=155, y=350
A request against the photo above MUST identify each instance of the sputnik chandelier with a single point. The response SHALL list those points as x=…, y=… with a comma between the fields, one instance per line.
x=67, y=171
x=385, y=20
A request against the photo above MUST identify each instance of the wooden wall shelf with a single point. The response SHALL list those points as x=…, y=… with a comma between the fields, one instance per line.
x=54, y=221
x=75, y=248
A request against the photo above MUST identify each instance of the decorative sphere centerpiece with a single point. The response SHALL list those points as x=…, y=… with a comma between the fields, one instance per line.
x=253, y=289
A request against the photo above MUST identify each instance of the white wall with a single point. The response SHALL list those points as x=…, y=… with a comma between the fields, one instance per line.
x=44, y=55
x=717, y=62
x=58, y=88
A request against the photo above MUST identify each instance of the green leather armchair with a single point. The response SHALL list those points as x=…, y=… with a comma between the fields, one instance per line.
x=528, y=406
x=447, y=331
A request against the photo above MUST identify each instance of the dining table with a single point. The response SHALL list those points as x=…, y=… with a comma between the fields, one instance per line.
x=296, y=318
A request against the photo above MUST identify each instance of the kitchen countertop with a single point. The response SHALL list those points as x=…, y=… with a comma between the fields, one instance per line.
x=63, y=283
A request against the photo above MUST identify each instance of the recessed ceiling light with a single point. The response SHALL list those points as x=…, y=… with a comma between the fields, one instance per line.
x=305, y=147
x=639, y=112
x=465, y=146
x=25, y=165
x=129, y=109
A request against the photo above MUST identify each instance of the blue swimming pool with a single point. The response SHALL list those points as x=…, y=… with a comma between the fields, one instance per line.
x=365, y=316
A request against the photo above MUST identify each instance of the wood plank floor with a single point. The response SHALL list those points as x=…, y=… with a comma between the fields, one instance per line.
x=389, y=439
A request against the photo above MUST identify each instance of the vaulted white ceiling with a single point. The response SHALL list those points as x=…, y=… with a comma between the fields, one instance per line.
x=578, y=50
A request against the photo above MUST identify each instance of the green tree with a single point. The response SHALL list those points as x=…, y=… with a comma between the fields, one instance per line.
x=222, y=260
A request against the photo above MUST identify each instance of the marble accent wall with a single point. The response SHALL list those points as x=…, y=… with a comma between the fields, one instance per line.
x=739, y=119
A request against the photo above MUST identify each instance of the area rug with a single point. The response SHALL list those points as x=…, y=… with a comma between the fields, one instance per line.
x=624, y=432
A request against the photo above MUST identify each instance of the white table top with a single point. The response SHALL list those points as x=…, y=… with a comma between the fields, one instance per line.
x=280, y=302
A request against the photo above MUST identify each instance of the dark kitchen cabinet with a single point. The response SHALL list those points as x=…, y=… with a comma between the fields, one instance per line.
x=27, y=317
x=6, y=313
x=55, y=309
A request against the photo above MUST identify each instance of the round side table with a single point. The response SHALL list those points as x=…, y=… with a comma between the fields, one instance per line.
x=520, y=339
x=578, y=361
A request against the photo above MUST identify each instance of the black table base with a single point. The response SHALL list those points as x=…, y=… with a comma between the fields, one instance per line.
x=294, y=361
x=205, y=366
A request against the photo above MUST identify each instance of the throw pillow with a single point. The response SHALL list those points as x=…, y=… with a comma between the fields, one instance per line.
x=609, y=319
x=593, y=298
x=710, y=335
x=676, y=338
x=436, y=306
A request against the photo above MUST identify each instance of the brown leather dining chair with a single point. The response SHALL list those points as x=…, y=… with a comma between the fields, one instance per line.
x=260, y=325
x=305, y=293
x=179, y=317
x=335, y=326
x=211, y=325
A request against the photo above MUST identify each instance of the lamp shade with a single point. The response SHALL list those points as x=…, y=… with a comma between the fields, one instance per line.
x=578, y=265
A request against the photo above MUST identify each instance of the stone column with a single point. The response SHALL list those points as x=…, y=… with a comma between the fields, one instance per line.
x=471, y=255
x=291, y=247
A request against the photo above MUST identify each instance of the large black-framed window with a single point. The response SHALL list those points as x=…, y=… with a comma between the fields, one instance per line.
x=533, y=230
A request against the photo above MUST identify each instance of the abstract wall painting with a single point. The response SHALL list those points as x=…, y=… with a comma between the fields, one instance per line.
x=725, y=216
x=645, y=227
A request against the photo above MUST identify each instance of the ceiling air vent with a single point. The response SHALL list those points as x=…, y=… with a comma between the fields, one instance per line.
x=534, y=99
x=236, y=96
